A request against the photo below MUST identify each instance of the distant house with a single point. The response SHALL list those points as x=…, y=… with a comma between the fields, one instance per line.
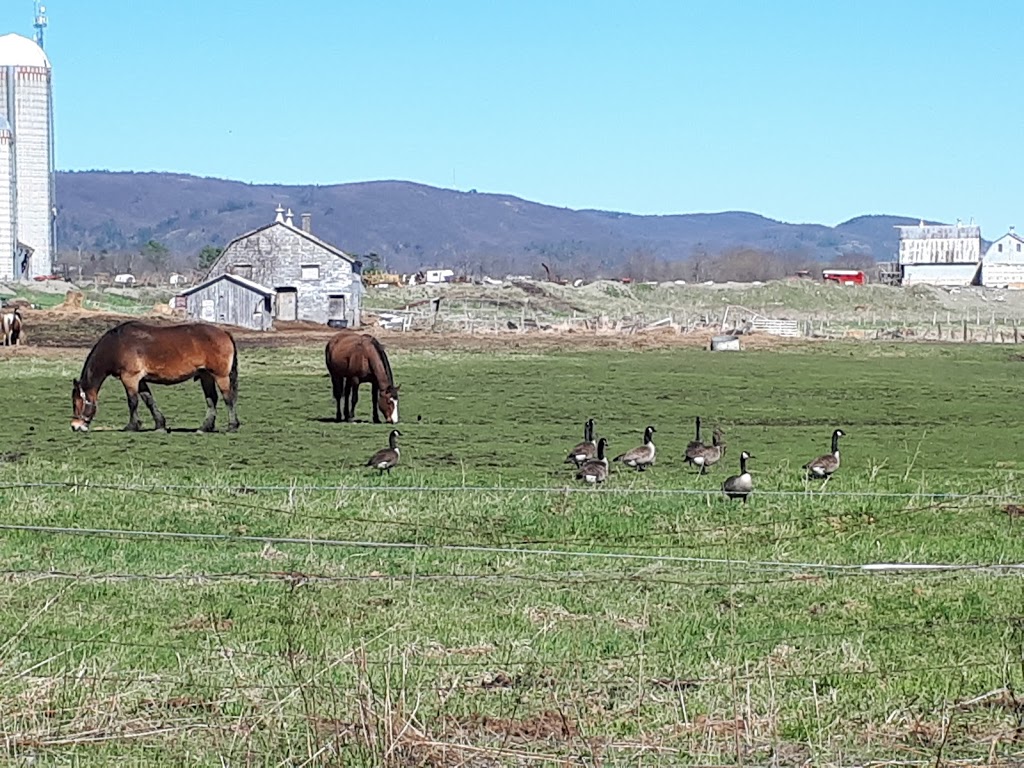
x=1003, y=265
x=311, y=280
x=231, y=300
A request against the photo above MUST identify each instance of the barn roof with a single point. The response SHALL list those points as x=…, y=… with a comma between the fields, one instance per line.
x=252, y=285
x=1012, y=235
x=335, y=251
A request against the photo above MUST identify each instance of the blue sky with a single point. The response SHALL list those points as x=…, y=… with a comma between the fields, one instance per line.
x=802, y=111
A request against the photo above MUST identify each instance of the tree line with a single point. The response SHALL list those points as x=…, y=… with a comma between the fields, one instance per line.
x=153, y=258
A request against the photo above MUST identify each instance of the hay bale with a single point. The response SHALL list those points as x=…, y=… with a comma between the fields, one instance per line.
x=73, y=300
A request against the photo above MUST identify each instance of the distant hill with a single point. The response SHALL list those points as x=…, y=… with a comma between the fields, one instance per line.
x=413, y=225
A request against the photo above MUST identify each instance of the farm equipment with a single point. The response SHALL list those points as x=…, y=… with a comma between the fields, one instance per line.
x=557, y=279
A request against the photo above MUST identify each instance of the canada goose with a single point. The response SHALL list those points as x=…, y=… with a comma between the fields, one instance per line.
x=386, y=458
x=642, y=456
x=742, y=485
x=824, y=466
x=584, y=450
x=708, y=455
x=595, y=470
x=694, y=445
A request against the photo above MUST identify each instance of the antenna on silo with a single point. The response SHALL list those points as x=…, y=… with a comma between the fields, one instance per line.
x=40, y=22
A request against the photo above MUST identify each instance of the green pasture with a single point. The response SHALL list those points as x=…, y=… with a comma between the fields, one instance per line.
x=477, y=606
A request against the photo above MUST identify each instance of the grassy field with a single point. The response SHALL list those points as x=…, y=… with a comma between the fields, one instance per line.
x=477, y=607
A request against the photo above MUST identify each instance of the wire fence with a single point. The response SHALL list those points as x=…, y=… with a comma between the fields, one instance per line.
x=933, y=683
x=500, y=316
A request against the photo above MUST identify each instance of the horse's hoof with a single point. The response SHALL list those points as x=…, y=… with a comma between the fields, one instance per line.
x=130, y=428
x=233, y=427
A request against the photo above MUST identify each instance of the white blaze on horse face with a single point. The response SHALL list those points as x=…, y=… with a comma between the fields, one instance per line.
x=394, y=413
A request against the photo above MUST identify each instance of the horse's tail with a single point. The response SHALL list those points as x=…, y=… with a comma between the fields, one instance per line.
x=233, y=375
x=383, y=358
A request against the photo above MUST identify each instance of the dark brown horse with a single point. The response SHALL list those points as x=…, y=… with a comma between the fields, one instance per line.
x=140, y=354
x=358, y=358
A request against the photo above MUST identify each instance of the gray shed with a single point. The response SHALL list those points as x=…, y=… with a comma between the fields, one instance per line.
x=231, y=300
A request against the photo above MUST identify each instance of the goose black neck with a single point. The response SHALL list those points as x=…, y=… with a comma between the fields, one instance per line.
x=835, y=442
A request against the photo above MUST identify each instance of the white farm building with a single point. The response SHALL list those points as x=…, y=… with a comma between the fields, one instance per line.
x=1003, y=265
x=26, y=160
x=938, y=254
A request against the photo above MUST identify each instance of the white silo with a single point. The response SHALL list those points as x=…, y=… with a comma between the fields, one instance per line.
x=6, y=200
x=25, y=100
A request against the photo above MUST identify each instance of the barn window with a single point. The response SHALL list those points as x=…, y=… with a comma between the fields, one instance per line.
x=242, y=270
x=1000, y=247
x=310, y=271
x=1018, y=247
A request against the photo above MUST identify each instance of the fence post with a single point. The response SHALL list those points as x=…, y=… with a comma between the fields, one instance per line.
x=965, y=329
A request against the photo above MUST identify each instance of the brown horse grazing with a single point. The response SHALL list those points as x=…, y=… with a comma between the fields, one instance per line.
x=140, y=354
x=358, y=358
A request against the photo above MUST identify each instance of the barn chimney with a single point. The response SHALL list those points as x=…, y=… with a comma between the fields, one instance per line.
x=288, y=218
x=279, y=214
x=307, y=222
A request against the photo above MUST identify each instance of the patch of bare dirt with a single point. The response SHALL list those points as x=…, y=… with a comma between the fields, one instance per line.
x=200, y=623
x=72, y=327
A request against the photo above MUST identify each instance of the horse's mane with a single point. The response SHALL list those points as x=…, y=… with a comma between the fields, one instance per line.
x=383, y=357
x=117, y=330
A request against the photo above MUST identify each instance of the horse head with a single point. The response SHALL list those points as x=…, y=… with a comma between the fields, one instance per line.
x=387, y=403
x=82, y=406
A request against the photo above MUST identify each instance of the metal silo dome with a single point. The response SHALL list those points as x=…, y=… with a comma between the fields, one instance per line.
x=25, y=101
x=18, y=51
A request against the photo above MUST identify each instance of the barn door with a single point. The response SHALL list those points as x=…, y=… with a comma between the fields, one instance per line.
x=287, y=304
x=336, y=307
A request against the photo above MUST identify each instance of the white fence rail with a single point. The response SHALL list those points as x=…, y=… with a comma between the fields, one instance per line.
x=775, y=327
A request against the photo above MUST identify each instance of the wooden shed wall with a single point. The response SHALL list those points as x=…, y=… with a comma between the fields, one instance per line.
x=227, y=302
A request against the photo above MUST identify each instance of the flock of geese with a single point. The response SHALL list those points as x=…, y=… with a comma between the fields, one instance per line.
x=592, y=464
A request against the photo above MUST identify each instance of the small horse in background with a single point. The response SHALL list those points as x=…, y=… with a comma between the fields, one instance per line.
x=358, y=358
x=140, y=354
x=10, y=322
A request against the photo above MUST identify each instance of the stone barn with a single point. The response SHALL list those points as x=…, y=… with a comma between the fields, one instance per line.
x=311, y=280
x=231, y=300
